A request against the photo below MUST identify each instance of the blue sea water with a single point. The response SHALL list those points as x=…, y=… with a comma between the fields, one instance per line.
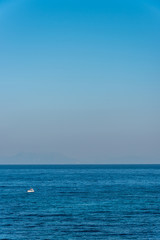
x=97, y=202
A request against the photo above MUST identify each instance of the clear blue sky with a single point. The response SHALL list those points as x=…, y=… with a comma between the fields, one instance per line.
x=81, y=78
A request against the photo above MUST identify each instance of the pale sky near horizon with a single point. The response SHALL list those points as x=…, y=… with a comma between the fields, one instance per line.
x=80, y=78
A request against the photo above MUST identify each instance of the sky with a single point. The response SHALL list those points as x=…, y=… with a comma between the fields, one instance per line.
x=80, y=80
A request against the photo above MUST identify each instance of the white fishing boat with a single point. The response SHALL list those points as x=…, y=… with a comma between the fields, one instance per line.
x=30, y=190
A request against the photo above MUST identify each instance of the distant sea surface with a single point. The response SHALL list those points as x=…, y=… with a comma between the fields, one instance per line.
x=71, y=202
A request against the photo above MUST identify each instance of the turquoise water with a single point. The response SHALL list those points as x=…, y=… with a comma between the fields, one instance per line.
x=80, y=202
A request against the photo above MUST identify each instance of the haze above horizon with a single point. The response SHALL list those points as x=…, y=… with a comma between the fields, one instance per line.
x=80, y=80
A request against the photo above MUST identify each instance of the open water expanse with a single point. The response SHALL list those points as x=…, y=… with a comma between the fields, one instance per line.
x=80, y=202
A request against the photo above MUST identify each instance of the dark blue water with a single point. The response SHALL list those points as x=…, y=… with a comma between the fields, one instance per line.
x=80, y=202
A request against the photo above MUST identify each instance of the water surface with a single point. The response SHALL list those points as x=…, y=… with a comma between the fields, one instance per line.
x=80, y=202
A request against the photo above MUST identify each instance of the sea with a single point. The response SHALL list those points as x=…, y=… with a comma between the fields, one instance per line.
x=87, y=202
